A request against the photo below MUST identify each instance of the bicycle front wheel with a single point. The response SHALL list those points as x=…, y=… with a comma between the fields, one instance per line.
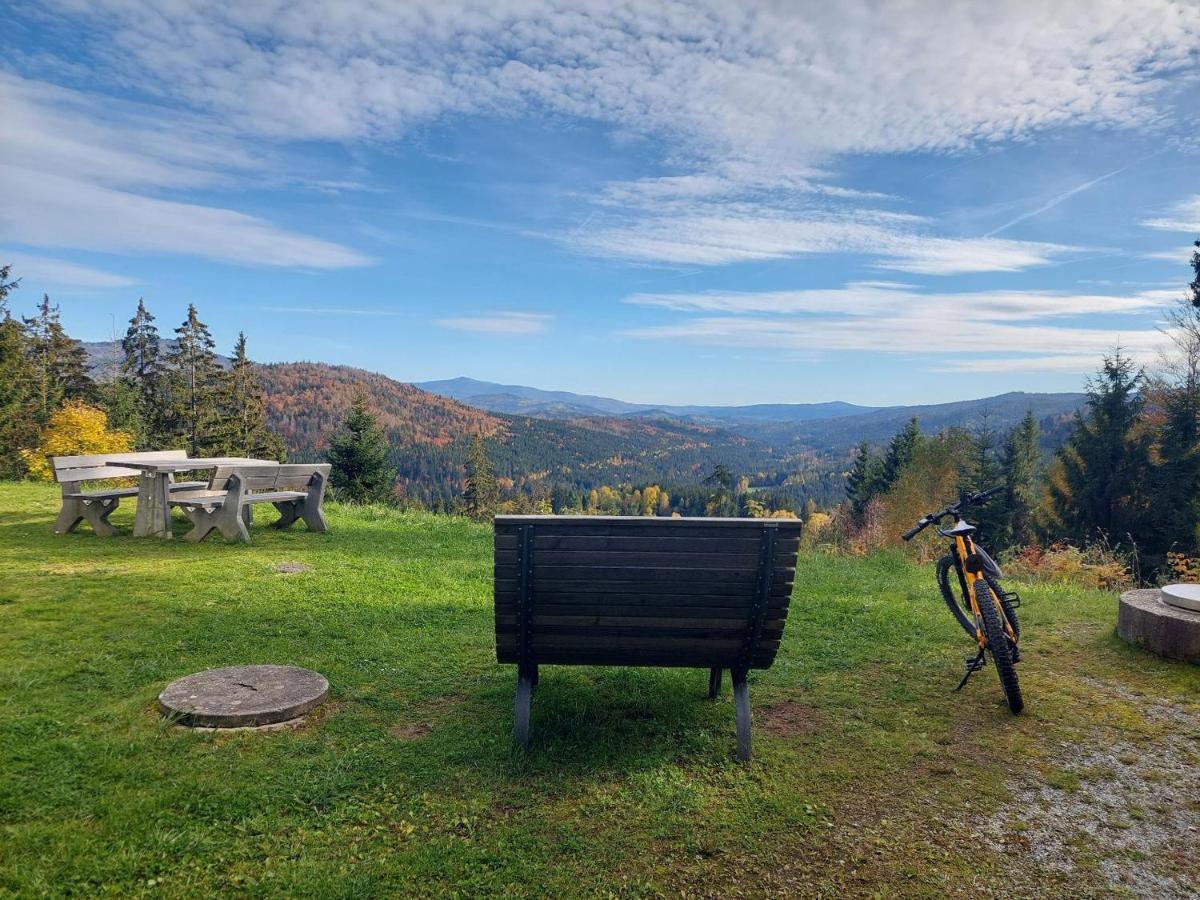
x=998, y=644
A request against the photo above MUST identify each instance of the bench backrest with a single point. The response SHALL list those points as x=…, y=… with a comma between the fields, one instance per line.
x=72, y=469
x=286, y=477
x=616, y=590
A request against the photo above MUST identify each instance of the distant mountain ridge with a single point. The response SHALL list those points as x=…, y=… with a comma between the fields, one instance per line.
x=519, y=399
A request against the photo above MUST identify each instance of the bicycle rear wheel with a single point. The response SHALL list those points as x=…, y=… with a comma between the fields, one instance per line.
x=998, y=644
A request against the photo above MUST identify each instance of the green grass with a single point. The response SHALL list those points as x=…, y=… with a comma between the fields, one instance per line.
x=869, y=776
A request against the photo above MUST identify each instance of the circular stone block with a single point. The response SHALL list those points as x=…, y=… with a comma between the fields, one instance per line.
x=243, y=696
x=1145, y=620
x=1185, y=596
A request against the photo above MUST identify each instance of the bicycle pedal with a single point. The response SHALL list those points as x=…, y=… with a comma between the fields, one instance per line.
x=1013, y=599
x=975, y=663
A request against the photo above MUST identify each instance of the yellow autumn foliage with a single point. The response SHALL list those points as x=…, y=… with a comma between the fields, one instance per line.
x=75, y=430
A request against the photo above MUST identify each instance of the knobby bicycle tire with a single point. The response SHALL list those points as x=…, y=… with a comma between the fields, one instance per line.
x=998, y=645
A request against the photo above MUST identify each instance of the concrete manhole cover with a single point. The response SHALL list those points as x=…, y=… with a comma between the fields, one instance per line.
x=243, y=696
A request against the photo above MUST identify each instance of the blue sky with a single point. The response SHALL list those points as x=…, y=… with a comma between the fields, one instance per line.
x=702, y=202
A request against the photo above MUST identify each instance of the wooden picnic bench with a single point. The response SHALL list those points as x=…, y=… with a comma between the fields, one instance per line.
x=615, y=590
x=71, y=472
x=226, y=503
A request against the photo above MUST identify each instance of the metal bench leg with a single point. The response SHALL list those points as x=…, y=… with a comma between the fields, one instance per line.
x=714, y=682
x=525, y=681
x=69, y=516
x=741, y=703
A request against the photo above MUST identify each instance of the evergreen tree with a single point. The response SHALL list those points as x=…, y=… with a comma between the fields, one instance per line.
x=984, y=472
x=1021, y=465
x=480, y=492
x=721, y=502
x=900, y=452
x=864, y=481
x=1105, y=463
x=196, y=383
x=143, y=374
x=59, y=362
x=1177, y=477
x=359, y=455
x=243, y=413
x=18, y=408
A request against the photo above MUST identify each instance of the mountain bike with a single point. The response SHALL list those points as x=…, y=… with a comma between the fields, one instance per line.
x=986, y=612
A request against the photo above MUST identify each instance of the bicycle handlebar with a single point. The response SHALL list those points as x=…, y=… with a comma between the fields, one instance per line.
x=966, y=500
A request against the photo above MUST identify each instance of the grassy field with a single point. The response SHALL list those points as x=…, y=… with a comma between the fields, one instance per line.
x=870, y=777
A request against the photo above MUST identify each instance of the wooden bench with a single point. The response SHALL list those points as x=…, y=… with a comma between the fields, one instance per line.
x=613, y=590
x=96, y=506
x=226, y=504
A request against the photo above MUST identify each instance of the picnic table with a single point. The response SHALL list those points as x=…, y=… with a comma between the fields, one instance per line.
x=153, y=517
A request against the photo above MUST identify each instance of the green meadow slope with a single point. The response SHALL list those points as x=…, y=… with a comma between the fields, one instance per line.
x=870, y=778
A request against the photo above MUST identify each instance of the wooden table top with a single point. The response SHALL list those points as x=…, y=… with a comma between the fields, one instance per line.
x=160, y=466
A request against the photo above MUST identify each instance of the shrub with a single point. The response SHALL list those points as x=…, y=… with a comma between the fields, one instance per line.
x=76, y=429
x=1092, y=566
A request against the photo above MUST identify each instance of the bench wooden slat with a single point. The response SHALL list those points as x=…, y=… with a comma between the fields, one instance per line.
x=102, y=494
x=546, y=590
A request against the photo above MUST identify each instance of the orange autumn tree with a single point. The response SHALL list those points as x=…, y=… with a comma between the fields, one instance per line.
x=76, y=429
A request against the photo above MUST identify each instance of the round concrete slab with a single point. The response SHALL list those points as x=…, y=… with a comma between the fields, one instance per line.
x=243, y=696
x=1145, y=620
x=1185, y=596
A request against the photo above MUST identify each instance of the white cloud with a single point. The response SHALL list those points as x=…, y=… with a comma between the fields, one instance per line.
x=713, y=234
x=761, y=83
x=58, y=272
x=48, y=211
x=500, y=323
x=976, y=331
x=74, y=168
x=1184, y=216
x=748, y=103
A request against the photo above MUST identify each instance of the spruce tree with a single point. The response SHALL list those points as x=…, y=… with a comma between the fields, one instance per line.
x=1021, y=465
x=984, y=473
x=899, y=453
x=18, y=408
x=144, y=374
x=359, y=455
x=59, y=362
x=864, y=481
x=243, y=412
x=1105, y=463
x=196, y=382
x=480, y=492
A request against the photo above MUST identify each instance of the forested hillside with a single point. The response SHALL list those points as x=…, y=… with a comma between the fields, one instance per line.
x=430, y=436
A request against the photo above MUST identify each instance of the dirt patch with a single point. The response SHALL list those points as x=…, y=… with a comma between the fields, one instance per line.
x=410, y=731
x=1121, y=808
x=790, y=719
x=290, y=568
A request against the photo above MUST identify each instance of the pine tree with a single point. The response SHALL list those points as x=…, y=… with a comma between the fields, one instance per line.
x=864, y=481
x=1105, y=464
x=480, y=493
x=144, y=374
x=1194, y=286
x=243, y=413
x=60, y=364
x=360, y=458
x=900, y=452
x=1021, y=465
x=196, y=382
x=18, y=408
